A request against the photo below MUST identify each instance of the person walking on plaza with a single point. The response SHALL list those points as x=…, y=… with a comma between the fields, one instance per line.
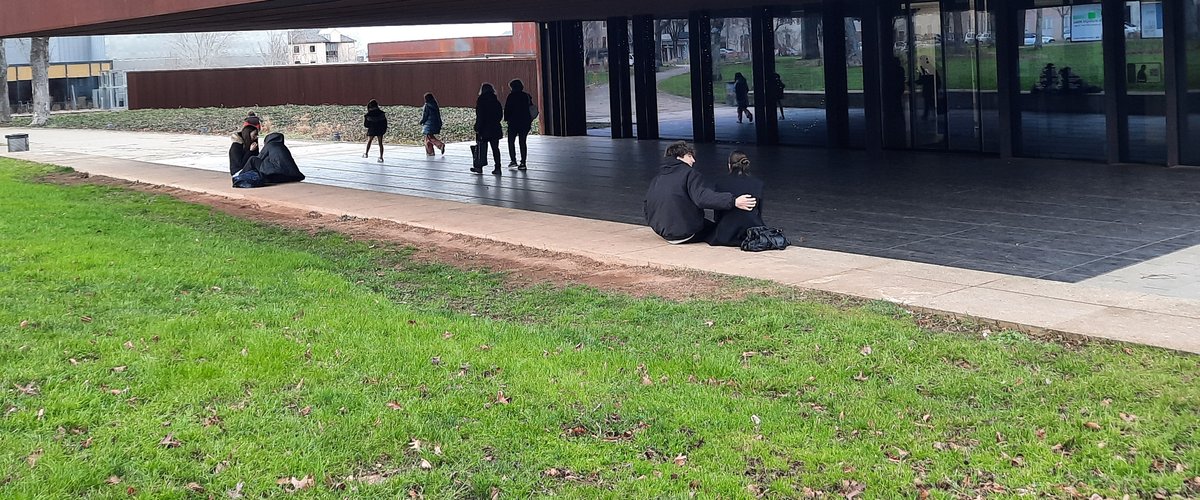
x=677, y=197
x=488, y=113
x=431, y=124
x=741, y=92
x=778, y=87
x=376, y=124
x=519, y=114
x=731, y=225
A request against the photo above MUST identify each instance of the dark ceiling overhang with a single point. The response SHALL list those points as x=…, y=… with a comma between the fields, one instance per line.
x=68, y=18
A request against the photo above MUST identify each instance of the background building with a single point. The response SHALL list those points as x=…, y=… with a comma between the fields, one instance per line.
x=315, y=47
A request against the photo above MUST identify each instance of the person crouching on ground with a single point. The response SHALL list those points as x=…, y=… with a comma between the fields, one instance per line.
x=431, y=124
x=376, y=124
x=244, y=147
x=677, y=197
x=732, y=224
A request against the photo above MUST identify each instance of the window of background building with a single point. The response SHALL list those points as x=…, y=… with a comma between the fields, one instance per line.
x=312, y=48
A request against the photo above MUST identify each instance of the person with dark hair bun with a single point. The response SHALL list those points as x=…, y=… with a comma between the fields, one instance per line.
x=488, y=114
x=677, y=197
x=375, y=121
x=518, y=115
x=731, y=225
x=244, y=147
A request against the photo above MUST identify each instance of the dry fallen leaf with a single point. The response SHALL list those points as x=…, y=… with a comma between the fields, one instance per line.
x=865, y=351
x=244, y=352
x=41, y=414
x=447, y=335
x=1128, y=417
x=680, y=460
x=30, y=389
x=305, y=411
x=485, y=347
x=437, y=450
x=394, y=405
x=415, y=445
x=86, y=319
x=292, y=484
x=195, y=487
x=220, y=467
x=552, y=472
x=1041, y=434
x=425, y=465
x=169, y=441
x=236, y=492
x=128, y=344
x=73, y=361
x=119, y=369
x=113, y=480
x=34, y=457
x=860, y=377
x=24, y=324
x=709, y=323
x=1092, y=425
x=501, y=398
x=495, y=493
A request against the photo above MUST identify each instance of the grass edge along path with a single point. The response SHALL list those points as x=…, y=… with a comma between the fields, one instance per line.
x=159, y=349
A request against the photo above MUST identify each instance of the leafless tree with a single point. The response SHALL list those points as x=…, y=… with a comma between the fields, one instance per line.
x=274, y=51
x=1037, y=30
x=1064, y=13
x=39, y=60
x=198, y=50
x=5, y=111
x=854, y=55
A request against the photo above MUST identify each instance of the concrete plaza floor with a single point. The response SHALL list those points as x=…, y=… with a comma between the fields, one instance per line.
x=536, y=209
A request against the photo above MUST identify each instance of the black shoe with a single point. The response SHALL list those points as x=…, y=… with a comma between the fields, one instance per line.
x=521, y=167
x=477, y=170
x=496, y=171
x=512, y=165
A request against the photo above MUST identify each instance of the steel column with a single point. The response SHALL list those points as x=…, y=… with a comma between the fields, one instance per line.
x=1112, y=13
x=644, y=80
x=762, y=40
x=619, y=83
x=700, y=54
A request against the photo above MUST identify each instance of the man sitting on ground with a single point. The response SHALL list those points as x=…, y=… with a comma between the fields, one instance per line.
x=677, y=198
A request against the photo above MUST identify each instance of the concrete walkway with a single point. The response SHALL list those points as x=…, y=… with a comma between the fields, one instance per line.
x=1011, y=301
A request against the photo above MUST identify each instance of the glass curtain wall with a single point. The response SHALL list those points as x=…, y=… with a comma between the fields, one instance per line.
x=1190, y=121
x=733, y=79
x=799, y=79
x=674, y=78
x=854, y=82
x=969, y=51
x=1145, y=78
x=595, y=61
x=1062, y=81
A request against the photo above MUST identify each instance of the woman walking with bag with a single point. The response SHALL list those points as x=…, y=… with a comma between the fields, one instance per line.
x=741, y=91
x=519, y=112
x=431, y=124
x=488, y=113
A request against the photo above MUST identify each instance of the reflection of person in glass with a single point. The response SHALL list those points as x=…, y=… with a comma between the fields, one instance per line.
x=1141, y=75
x=778, y=86
x=928, y=79
x=741, y=91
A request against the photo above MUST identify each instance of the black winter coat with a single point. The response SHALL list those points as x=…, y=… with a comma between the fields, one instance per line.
x=375, y=122
x=488, y=114
x=516, y=112
x=676, y=200
x=732, y=224
x=239, y=155
x=275, y=163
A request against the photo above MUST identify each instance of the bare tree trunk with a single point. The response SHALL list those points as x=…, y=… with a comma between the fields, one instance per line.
x=812, y=37
x=5, y=111
x=1037, y=30
x=39, y=60
x=854, y=55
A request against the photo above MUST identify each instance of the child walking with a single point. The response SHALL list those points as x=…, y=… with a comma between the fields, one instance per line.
x=431, y=124
x=376, y=124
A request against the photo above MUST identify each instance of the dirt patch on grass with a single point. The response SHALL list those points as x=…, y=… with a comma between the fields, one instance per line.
x=522, y=266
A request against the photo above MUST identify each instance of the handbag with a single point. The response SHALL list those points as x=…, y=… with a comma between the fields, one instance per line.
x=762, y=238
x=475, y=155
x=533, y=109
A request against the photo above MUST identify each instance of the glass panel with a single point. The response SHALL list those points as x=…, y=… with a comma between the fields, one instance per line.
x=928, y=72
x=1146, y=96
x=799, y=79
x=854, y=82
x=1062, y=83
x=1191, y=98
x=674, y=79
x=733, y=79
x=970, y=62
x=595, y=61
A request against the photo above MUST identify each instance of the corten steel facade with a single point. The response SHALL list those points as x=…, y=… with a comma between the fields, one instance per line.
x=983, y=76
x=523, y=42
x=456, y=84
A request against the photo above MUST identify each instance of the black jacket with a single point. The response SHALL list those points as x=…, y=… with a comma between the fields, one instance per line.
x=732, y=224
x=375, y=122
x=238, y=154
x=516, y=112
x=488, y=114
x=275, y=163
x=676, y=200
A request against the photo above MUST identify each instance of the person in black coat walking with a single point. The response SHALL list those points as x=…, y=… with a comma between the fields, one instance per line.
x=741, y=93
x=677, y=197
x=488, y=114
x=375, y=121
x=732, y=224
x=520, y=122
x=244, y=147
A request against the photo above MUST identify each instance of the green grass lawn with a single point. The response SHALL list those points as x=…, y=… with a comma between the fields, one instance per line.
x=163, y=350
x=1085, y=59
x=299, y=122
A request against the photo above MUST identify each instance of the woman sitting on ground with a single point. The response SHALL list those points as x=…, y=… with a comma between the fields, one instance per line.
x=733, y=223
x=245, y=146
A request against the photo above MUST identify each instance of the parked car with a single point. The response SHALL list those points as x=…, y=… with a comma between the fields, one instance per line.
x=1131, y=30
x=985, y=38
x=1031, y=39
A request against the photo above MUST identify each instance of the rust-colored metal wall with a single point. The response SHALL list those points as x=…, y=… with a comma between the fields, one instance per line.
x=456, y=83
x=523, y=42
